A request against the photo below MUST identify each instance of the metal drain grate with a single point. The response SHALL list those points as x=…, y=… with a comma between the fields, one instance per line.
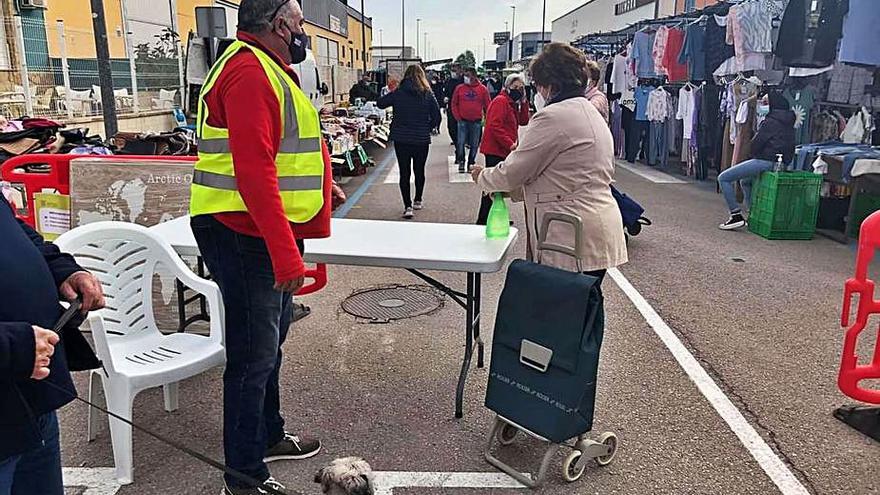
x=391, y=303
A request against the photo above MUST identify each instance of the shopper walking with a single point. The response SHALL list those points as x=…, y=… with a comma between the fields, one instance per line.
x=262, y=184
x=565, y=163
x=594, y=94
x=452, y=83
x=416, y=114
x=507, y=112
x=469, y=105
x=775, y=136
x=35, y=379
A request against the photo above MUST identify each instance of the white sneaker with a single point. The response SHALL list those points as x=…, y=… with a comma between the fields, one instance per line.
x=418, y=205
x=408, y=213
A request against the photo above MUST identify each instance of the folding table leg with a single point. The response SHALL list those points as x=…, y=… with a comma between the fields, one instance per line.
x=468, y=347
x=478, y=316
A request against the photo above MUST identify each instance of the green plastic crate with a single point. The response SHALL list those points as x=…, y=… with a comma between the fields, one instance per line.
x=785, y=205
x=864, y=205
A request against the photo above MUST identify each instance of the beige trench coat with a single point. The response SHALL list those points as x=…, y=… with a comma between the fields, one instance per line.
x=565, y=163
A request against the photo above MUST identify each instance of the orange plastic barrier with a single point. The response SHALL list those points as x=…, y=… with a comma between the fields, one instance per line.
x=851, y=372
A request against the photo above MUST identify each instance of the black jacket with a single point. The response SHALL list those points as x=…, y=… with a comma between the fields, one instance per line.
x=416, y=114
x=32, y=270
x=775, y=136
x=449, y=87
x=361, y=90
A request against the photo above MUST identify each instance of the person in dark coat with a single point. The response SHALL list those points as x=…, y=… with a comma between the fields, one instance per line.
x=454, y=81
x=35, y=363
x=363, y=89
x=416, y=114
x=774, y=139
x=437, y=88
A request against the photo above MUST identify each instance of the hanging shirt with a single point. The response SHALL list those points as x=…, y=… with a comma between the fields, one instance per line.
x=686, y=107
x=801, y=102
x=808, y=37
x=861, y=33
x=618, y=74
x=641, y=95
x=659, y=50
x=749, y=29
x=643, y=54
x=658, y=105
x=716, y=49
x=675, y=70
x=692, y=52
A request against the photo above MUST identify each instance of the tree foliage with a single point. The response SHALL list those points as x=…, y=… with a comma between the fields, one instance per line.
x=467, y=59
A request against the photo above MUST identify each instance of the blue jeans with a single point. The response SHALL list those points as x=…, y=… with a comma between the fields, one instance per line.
x=256, y=324
x=468, y=133
x=37, y=471
x=658, y=152
x=744, y=172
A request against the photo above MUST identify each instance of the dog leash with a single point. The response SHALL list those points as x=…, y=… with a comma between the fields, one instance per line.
x=65, y=318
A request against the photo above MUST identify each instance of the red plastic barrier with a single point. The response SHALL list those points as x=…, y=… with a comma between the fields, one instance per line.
x=319, y=275
x=58, y=175
x=851, y=372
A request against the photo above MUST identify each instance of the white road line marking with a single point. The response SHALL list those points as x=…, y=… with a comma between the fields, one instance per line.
x=778, y=472
x=387, y=481
x=649, y=173
x=96, y=481
x=454, y=176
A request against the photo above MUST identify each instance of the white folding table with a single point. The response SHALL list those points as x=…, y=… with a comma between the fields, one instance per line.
x=411, y=246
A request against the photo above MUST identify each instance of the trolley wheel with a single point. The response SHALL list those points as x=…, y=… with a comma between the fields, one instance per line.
x=610, y=439
x=570, y=471
x=507, y=434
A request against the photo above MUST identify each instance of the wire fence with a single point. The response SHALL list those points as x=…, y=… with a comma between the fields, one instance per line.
x=57, y=77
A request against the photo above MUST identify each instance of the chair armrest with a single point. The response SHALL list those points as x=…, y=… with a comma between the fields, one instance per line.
x=207, y=288
x=99, y=335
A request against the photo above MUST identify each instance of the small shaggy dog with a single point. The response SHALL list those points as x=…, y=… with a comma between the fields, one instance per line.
x=347, y=476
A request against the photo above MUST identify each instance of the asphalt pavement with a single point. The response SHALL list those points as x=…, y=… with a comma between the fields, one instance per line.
x=718, y=370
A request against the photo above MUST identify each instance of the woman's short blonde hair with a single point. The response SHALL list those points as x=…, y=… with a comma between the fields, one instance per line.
x=512, y=79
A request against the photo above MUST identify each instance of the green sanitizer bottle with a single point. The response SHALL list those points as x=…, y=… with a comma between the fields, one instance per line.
x=498, y=224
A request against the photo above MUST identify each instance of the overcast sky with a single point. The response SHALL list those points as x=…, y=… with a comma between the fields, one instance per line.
x=456, y=25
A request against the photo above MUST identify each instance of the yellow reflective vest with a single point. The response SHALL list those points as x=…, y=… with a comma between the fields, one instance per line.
x=299, y=162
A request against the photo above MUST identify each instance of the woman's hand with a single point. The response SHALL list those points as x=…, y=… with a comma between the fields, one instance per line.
x=475, y=172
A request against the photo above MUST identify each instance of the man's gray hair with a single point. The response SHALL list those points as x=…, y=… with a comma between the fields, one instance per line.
x=255, y=16
x=512, y=79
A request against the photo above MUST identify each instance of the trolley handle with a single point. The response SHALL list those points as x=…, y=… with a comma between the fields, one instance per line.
x=575, y=223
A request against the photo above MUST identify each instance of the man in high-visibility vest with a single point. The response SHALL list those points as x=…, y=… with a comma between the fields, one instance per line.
x=263, y=183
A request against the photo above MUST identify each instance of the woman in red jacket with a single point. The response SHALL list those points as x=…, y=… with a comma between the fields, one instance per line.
x=506, y=113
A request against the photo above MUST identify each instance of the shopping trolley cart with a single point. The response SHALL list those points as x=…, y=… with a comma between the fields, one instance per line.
x=545, y=358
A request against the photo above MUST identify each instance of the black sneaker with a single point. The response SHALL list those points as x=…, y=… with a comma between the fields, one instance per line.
x=293, y=447
x=252, y=491
x=736, y=221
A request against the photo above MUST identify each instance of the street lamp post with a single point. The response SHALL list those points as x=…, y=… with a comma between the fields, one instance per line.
x=510, y=42
x=363, y=36
x=418, y=48
x=544, y=27
x=425, y=46
x=402, y=29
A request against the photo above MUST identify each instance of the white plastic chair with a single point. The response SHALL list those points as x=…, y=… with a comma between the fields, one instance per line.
x=136, y=355
x=165, y=101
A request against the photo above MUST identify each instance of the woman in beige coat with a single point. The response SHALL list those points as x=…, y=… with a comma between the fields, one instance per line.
x=565, y=163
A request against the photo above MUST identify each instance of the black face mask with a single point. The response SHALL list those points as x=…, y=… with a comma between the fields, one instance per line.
x=515, y=94
x=298, y=45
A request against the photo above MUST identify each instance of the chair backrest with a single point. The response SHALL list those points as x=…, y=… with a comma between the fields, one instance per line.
x=19, y=88
x=167, y=94
x=96, y=92
x=124, y=257
x=82, y=95
x=120, y=92
x=46, y=98
x=61, y=91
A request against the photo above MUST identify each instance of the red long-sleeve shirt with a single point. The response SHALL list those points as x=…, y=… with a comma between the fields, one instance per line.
x=502, y=124
x=244, y=102
x=470, y=101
